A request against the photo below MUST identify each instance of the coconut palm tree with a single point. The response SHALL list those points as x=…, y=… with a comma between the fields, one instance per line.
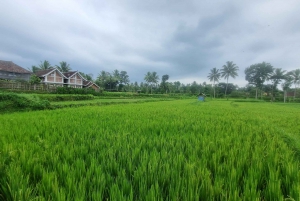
x=44, y=65
x=151, y=78
x=214, y=76
x=295, y=75
x=63, y=67
x=276, y=77
x=288, y=80
x=229, y=70
x=34, y=69
x=147, y=78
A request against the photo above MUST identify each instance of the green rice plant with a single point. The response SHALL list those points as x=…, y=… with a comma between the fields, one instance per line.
x=169, y=150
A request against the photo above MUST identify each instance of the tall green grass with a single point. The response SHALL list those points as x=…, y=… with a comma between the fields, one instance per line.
x=174, y=150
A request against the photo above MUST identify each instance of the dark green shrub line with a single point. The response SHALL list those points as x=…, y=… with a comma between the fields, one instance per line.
x=10, y=102
x=66, y=97
x=15, y=102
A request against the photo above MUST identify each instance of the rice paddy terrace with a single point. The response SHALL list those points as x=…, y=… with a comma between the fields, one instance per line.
x=169, y=150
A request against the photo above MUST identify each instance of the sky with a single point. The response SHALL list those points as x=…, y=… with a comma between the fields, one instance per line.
x=184, y=39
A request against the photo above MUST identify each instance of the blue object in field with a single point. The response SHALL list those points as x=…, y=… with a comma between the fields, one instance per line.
x=201, y=98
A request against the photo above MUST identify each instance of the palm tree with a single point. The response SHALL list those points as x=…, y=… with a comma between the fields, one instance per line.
x=276, y=78
x=34, y=69
x=286, y=85
x=229, y=70
x=147, y=78
x=151, y=78
x=45, y=65
x=63, y=67
x=214, y=76
x=295, y=75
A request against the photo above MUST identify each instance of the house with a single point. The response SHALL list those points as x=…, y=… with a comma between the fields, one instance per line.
x=51, y=76
x=11, y=71
x=89, y=84
x=73, y=79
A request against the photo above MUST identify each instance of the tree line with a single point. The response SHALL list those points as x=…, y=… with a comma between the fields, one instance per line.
x=255, y=74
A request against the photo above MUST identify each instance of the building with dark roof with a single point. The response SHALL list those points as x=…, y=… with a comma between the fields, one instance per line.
x=11, y=71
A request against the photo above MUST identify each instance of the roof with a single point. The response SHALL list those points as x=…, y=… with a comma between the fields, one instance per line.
x=9, y=66
x=42, y=73
x=70, y=73
x=88, y=83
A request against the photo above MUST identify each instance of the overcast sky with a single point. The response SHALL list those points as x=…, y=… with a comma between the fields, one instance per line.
x=184, y=39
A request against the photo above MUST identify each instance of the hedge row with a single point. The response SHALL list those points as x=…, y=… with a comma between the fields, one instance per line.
x=13, y=102
x=51, y=97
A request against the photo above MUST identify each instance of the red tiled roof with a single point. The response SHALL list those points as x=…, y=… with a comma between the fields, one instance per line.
x=9, y=66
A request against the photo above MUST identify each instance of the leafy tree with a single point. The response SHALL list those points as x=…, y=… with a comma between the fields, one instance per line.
x=229, y=70
x=34, y=79
x=194, y=87
x=295, y=76
x=135, y=86
x=257, y=74
x=214, y=76
x=164, y=84
x=226, y=87
x=123, y=79
x=102, y=79
x=63, y=67
x=177, y=86
x=44, y=65
x=276, y=77
x=88, y=77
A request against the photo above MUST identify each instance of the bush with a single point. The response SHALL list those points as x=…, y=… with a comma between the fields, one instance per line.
x=15, y=102
x=69, y=90
x=51, y=97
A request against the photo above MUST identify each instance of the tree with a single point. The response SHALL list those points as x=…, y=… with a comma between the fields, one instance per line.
x=286, y=85
x=44, y=65
x=34, y=80
x=164, y=85
x=102, y=79
x=34, y=69
x=214, y=76
x=177, y=86
x=63, y=67
x=194, y=88
x=295, y=76
x=229, y=70
x=226, y=87
x=123, y=79
x=151, y=78
x=276, y=78
x=257, y=74
x=88, y=77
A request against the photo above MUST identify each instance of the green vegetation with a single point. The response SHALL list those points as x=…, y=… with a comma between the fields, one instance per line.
x=16, y=102
x=174, y=150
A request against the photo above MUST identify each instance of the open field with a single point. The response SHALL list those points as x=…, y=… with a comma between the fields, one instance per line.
x=169, y=150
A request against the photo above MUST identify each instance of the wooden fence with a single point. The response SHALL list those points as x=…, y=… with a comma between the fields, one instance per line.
x=27, y=86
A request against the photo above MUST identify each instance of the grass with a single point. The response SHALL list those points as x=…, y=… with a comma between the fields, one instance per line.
x=169, y=150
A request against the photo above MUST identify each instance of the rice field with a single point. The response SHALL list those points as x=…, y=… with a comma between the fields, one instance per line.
x=170, y=150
